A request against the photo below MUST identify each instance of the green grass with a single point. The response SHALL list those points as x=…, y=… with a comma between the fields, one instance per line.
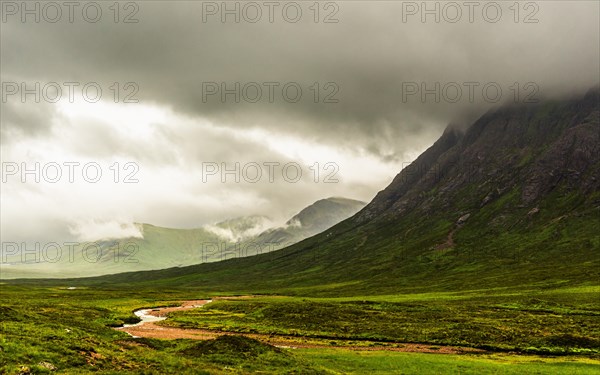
x=534, y=322
x=71, y=329
x=349, y=362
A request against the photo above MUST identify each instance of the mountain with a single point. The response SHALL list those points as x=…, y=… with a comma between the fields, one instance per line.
x=537, y=150
x=168, y=247
x=511, y=201
x=158, y=248
x=241, y=228
x=312, y=220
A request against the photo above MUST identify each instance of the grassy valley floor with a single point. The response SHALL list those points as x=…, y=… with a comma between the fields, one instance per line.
x=60, y=330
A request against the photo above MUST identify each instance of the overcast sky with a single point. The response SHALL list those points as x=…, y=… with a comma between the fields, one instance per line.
x=360, y=114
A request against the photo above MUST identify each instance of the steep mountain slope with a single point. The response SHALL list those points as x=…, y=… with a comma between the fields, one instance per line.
x=535, y=149
x=512, y=201
x=168, y=247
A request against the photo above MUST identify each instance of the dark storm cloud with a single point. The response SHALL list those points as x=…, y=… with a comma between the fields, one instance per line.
x=371, y=132
x=368, y=54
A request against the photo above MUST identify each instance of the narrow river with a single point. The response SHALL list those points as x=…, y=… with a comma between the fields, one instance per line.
x=149, y=328
x=146, y=327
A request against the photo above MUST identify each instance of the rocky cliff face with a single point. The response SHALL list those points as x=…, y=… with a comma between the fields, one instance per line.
x=536, y=149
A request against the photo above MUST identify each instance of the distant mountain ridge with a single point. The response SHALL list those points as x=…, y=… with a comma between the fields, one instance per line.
x=169, y=247
x=312, y=220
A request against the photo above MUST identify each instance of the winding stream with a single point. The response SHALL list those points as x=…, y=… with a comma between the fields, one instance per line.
x=149, y=328
x=149, y=316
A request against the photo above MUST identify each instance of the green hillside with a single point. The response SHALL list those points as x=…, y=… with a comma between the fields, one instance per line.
x=169, y=247
x=160, y=247
x=513, y=201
